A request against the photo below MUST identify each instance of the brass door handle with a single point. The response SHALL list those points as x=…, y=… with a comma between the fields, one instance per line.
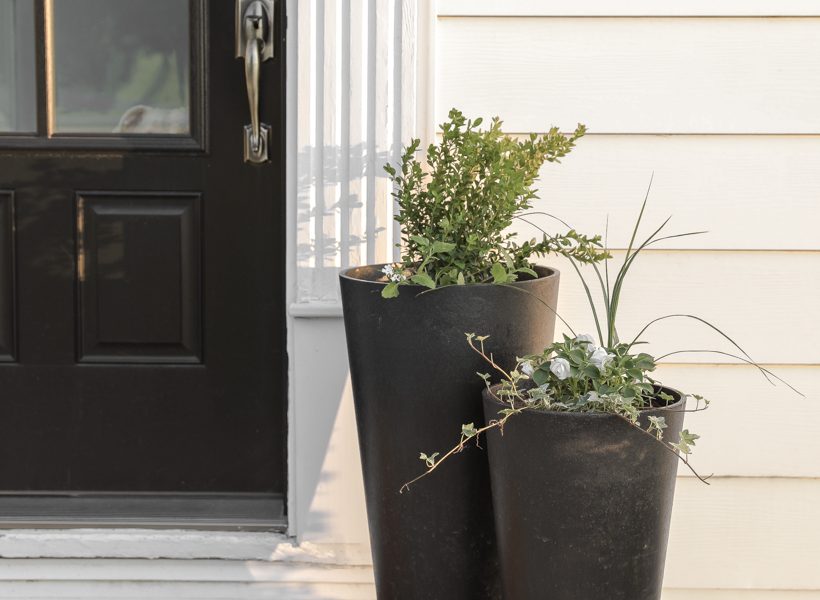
x=254, y=43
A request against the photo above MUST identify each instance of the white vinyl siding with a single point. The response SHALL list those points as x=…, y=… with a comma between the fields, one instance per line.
x=720, y=103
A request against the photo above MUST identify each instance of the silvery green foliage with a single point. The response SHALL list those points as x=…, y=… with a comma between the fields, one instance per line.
x=457, y=205
x=598, y=380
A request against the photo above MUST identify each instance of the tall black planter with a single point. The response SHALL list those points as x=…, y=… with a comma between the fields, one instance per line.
x=582, y=503
x=414, y=385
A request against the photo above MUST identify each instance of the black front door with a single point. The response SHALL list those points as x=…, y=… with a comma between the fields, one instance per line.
x=142, y=327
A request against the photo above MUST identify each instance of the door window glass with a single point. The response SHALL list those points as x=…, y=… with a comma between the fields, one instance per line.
x=128, y=72
x=17, y=74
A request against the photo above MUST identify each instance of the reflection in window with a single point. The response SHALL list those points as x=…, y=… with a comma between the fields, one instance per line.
x=121, y=66
x=17, y=75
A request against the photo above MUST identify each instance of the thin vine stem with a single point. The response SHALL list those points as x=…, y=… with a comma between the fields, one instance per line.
x=681, y=457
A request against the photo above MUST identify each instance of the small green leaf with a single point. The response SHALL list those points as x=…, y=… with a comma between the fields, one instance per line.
x=423, y=279
x=540, y=377
x=577, y=356
x=391, y=290
x=591, y=371
x=420, y=240
x=442, y=247
x=499, y=273
x=527, y=270
x=508, y=259
x=460, y=278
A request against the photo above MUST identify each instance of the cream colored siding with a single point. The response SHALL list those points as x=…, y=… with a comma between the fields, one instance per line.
x=631, y=75
x=721, y=102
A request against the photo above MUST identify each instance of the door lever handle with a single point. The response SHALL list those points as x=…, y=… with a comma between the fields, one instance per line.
x=254, y=43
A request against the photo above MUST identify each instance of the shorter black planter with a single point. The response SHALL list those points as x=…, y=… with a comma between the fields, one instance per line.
x=582, y=503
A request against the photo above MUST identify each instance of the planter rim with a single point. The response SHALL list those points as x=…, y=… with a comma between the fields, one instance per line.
x=352, y=272
x=489, y=394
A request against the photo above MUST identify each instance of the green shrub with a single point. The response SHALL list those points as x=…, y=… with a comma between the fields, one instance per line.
x=456, y=209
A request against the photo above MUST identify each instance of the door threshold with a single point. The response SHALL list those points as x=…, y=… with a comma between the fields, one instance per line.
x=60, y=510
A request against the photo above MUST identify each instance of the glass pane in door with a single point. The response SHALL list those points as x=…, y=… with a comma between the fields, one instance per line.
x=120, y=66
x=18, y=112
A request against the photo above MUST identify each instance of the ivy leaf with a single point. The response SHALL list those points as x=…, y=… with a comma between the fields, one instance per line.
x=687, y=440
x=430, y=461
x=656, y=426
x=469, y=430
x=391, y=290
x=499, y=273
x=665, y=397
x=423, y=279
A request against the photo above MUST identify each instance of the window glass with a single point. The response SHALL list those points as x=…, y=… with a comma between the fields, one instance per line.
x=18, y=112
x=120, y=66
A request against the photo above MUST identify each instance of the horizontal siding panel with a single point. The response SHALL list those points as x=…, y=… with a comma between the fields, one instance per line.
x=764, y=300
x=750, y=192
x=95, y=590
x=751, y=428
x=656, y=75
x=669, y=594
x=744, y=533
x=553, y=8
x=213, y=571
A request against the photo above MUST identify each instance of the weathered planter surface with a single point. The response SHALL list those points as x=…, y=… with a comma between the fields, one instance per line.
x=582, y=503
x=414, y=384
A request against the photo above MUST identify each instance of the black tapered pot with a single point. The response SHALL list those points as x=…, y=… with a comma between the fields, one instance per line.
x=414, y=384
x=582, y=503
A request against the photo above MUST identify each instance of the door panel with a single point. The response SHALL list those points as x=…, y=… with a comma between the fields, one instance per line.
x=7, y=316
x=138, y=272
x=142, y=272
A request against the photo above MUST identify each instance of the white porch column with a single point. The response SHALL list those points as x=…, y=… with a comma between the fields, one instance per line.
x=361, y=87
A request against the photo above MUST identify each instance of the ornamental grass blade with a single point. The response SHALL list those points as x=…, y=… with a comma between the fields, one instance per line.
x=555, y=312
x=762, y=369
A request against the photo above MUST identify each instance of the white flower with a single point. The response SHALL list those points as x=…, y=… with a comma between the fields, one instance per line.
x=560, y=368
x=593, y=397
x=543, y=388
x=392, y=274
x=527, y=368
x=587, y=339
x=600, y=357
